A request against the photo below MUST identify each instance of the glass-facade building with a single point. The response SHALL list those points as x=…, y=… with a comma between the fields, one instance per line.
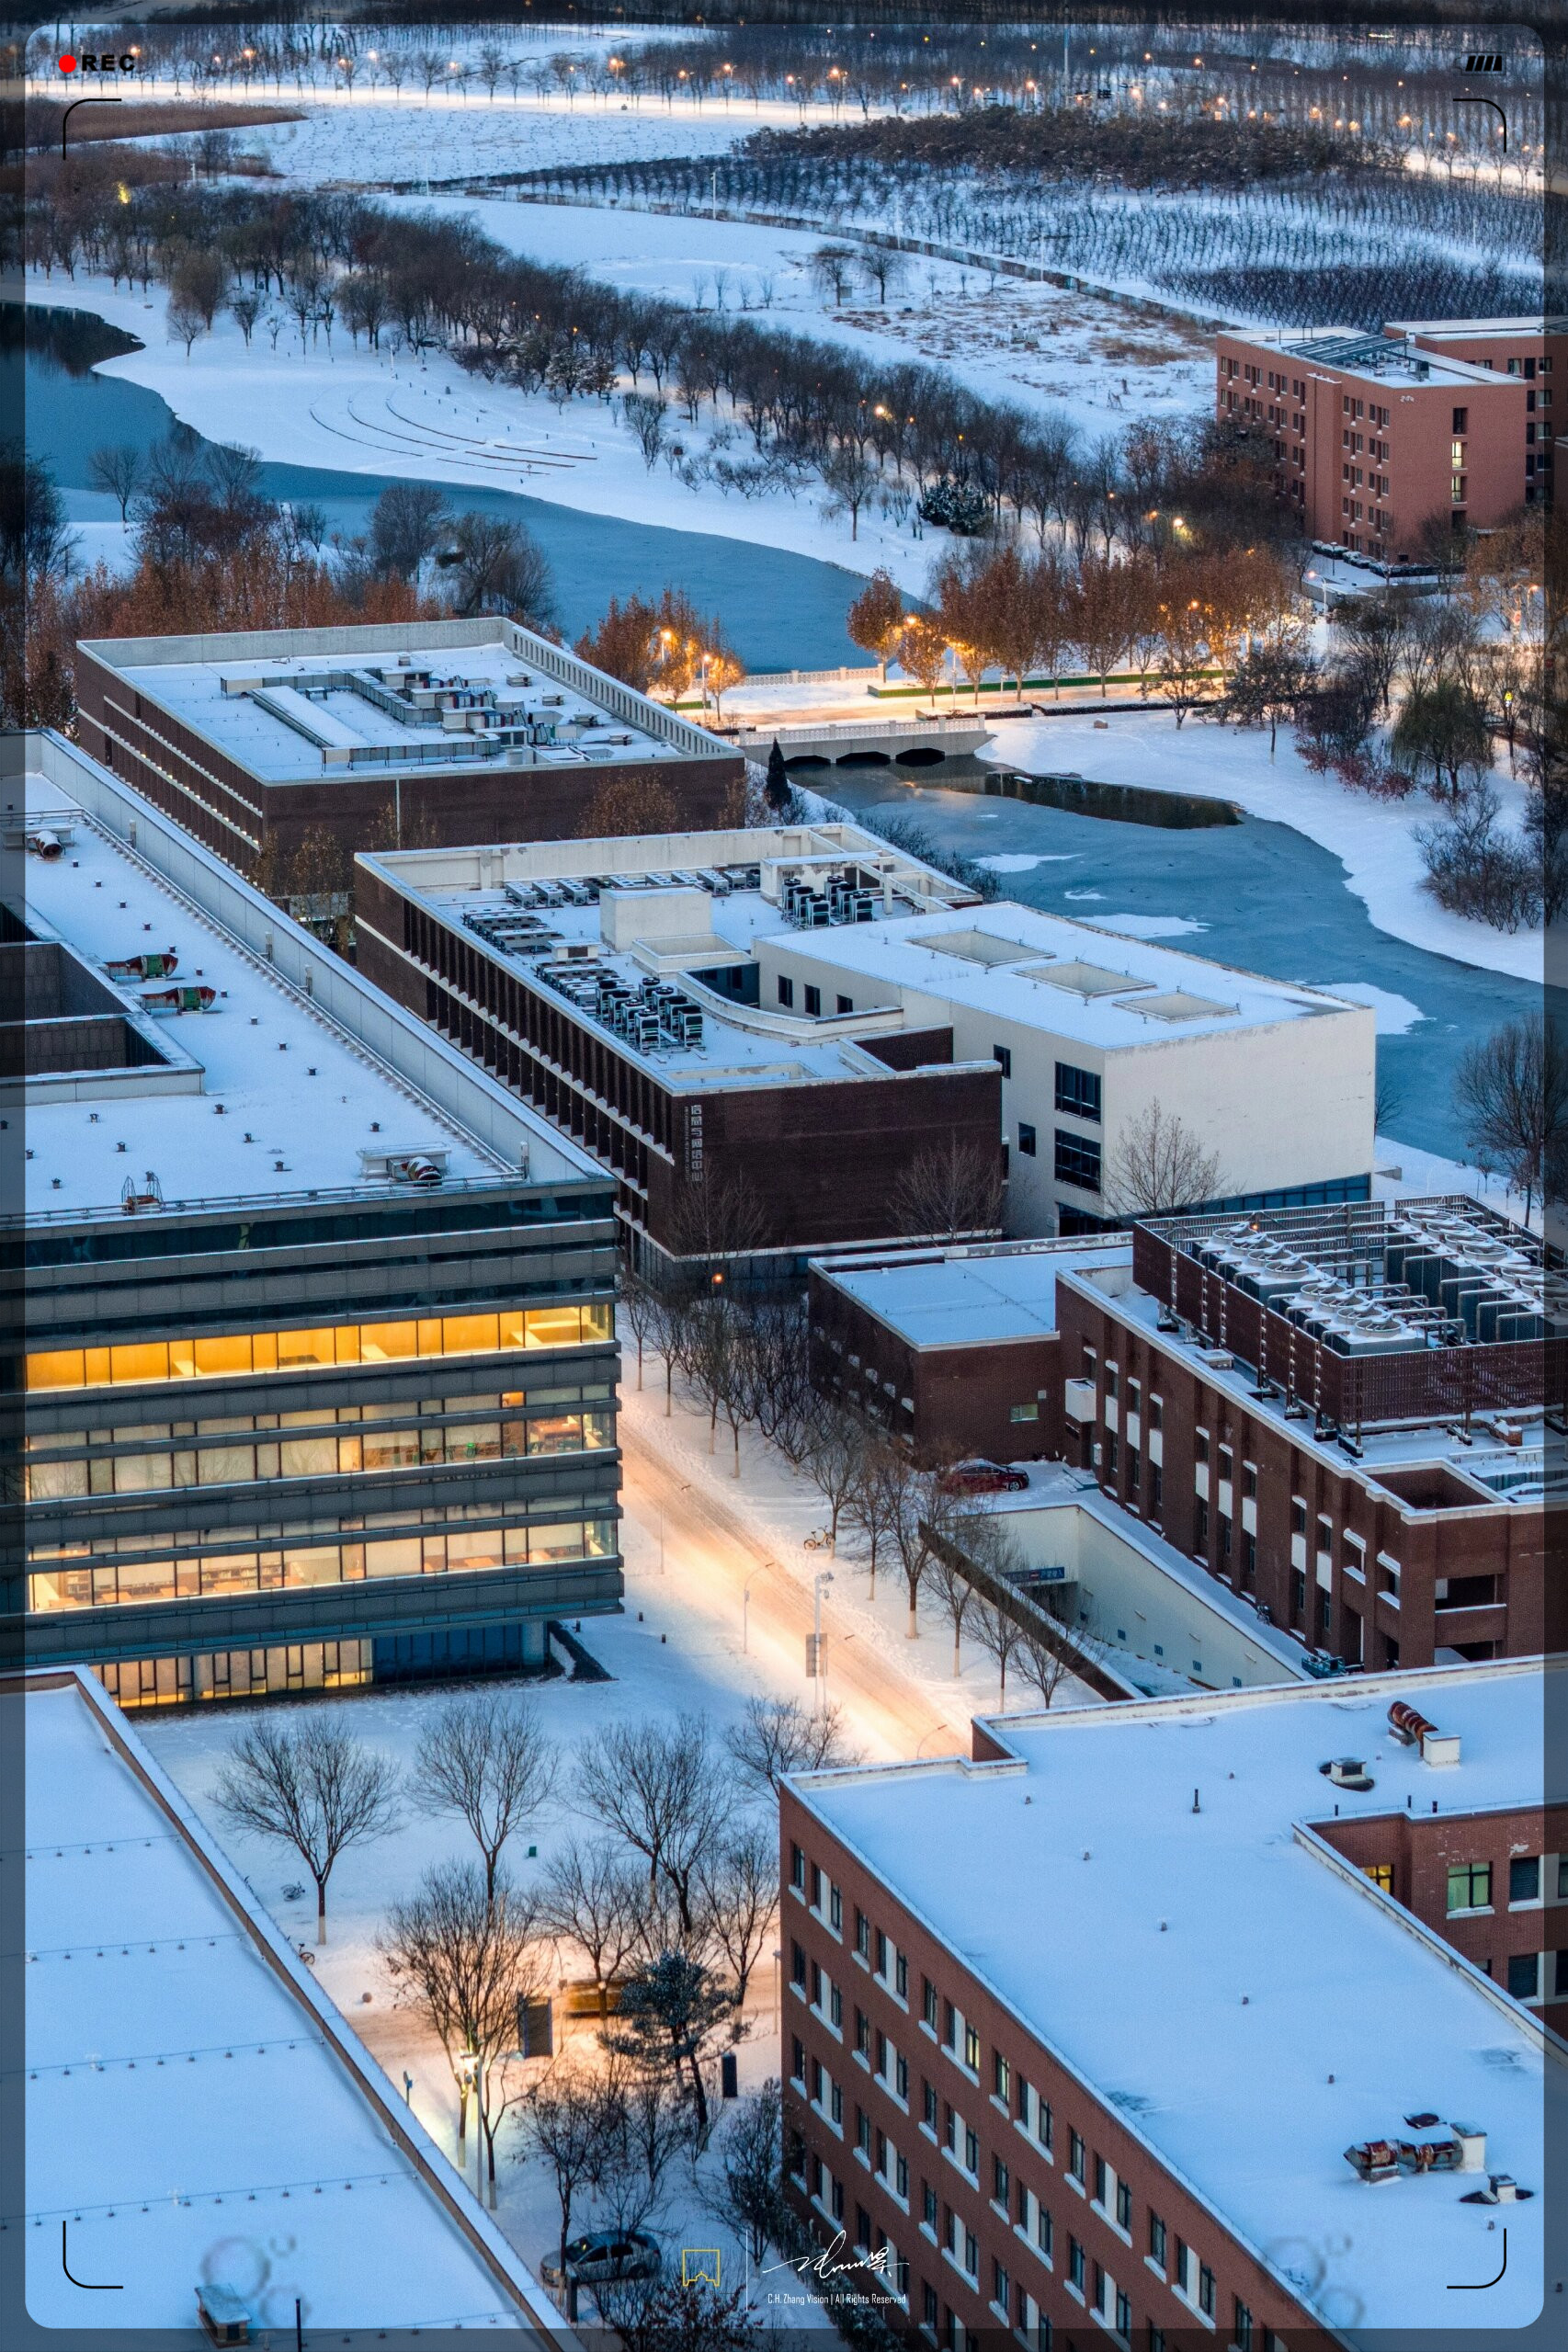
x=341, y=1434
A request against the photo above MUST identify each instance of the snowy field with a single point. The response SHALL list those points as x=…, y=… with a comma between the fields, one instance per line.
x=1038, y=345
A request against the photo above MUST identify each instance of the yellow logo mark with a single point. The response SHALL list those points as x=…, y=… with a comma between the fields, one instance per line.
x=700, y=2264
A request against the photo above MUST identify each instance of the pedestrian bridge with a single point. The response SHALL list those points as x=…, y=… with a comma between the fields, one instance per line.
x=918, y=739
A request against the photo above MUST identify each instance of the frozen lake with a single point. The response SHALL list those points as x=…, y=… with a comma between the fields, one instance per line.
x=1256, y=894
x=783, y=611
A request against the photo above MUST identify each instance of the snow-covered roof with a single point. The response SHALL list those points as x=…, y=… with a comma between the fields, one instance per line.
x=320, y=705
x=196, y=2112
x=1070, y=979
x=1245, y=2003
x=1475, y=1470
x=582, y=921
x=969, y=1298
x=1466, y=330
x=294, y=1071
x=1350, y=351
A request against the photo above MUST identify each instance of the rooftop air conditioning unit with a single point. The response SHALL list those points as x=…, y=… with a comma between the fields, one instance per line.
x=426, y=1165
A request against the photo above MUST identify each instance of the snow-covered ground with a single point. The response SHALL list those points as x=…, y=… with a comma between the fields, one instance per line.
x=1376, y=839
x=1083, y=354
x=676, y=1649
x=423, y=419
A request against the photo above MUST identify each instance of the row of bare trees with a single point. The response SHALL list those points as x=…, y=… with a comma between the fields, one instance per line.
x=669, y=1892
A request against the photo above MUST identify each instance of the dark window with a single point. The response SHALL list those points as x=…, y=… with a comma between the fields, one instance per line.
x=1123, y=2315
x=1076, y=2158
x=814, y=999
x=1298, y=1597
x=1077, y=1160
x=1524, y=1878
x=1206, y=2291
x=1200, y=1527
x=1249, y=1479
x=1461, y=420
x=1241, y=2332
x=928, y=2107
x=1123, y=2205
x=1000, y=1053
x=862, y=1934
x=1156, y=2241
x=1078, y=1091
x=1075, y=2264
x=950, y=2026
x=786, y=989
x=1002, y=2078
x=928, y=2002
x=1200, y=1445
x=1560, y=1974
x=928, y=2205
x=1156, y=1485
x=797, y=1964
x=797, y=2060
x=834, y=1908
x=1027, y=1141
x=1524, y=1975
x=1156, y=1413
x=881, y=1953
x=1001, y=2181
x=1108, y=1455
x=1102, y=2181
x=797, y=1867
x=846, y=1004
x=1470, y=1886
x=1298, y=1515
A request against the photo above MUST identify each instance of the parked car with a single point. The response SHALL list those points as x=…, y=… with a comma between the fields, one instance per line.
x=981, y=1477
x=601, y=2257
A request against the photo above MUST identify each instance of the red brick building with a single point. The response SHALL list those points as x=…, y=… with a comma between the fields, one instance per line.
x=1374, y=438
x=424, y=732
x=1077, y=2035
x=1341, y=1414
x=955, y=1350
x=612, y=983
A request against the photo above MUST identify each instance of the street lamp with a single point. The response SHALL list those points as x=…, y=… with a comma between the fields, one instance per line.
x=823, y=1576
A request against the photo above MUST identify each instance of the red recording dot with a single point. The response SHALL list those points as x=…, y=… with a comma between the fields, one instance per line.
x=68, y=64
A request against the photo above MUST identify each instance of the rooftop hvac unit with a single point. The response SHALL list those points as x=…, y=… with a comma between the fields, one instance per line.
x=225, y=2318
x=424, y=1165
x=150, y=965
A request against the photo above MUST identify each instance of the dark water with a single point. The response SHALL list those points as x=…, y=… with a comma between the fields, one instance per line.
x=782, y=611
x=1271, y=901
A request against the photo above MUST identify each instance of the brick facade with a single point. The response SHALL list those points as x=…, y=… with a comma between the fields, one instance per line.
x=237, y=814
x=824, y=1157
x=946, y=1402
x=1014, y=2203
x=1379, y=1578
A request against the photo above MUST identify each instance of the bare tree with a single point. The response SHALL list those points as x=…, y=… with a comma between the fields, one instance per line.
x=466, y=1956
x=185, y=323
x=949, y=1191
x=872, y=1502
x=739, y=1884
x=1511, y=1092
x=116, y=471
x=486, y=1757
x=1158, y=1164
x=1001, y=1636
x=310, y=1786
x=949, y=1578
x=776, y=1736
x=834, y=1461
x=572, y=2122
x=747, y=2195
x=918, y=1513
x=591, y=1896
x=657, y=1786
x=1042, y=1661
x=833, y=270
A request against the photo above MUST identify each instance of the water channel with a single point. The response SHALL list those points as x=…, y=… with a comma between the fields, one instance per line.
x=1261, y=896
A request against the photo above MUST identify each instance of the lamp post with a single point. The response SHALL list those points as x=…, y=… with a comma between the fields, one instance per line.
x=823, y=1576
x=470, y=2063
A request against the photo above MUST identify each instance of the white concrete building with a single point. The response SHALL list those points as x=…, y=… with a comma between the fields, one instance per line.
x=1091, y=1030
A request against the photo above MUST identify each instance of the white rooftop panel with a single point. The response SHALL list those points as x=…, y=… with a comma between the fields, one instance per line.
x=967, y=1299
x=196, y=2111
x=288, y=1100
x=1247, y=2007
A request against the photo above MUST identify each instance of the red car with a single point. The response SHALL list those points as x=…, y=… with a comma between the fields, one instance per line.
x=980, y=1477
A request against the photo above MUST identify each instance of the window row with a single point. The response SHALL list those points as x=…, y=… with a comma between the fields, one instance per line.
x=211, y=1574
x=239, y=1353
x=214, y=1464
